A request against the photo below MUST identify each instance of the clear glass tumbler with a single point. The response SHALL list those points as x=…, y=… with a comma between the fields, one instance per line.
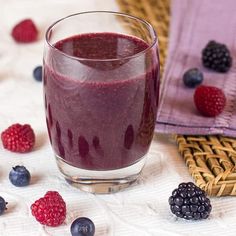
x=101, y=89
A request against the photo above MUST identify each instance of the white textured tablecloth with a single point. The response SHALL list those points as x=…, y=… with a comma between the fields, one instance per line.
x=142, y=210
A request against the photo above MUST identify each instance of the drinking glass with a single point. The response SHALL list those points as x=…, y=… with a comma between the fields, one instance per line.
x=101, y=89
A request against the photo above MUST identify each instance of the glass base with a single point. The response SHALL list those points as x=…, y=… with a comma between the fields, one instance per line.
x=109, y=181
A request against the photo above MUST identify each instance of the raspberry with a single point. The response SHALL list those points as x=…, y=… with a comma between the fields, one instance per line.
x=18, y=138
x=25, y=31
x=49, y=210
x=210, y=101
x=52, y=194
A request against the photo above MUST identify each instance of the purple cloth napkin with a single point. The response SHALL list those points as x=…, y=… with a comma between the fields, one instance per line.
x=193, y=24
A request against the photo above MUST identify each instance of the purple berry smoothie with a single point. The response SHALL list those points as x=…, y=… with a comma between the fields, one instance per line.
x=102, y=115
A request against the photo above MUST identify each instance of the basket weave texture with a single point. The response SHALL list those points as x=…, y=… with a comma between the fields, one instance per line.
x=211, y=160
x=157, y=12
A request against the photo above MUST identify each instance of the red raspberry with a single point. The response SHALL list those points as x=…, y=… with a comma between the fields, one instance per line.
x=210, y=101
x=49, y=210
x=18, y=138
x=25, y=31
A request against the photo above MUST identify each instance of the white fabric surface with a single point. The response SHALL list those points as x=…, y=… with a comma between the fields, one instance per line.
x=142, y=210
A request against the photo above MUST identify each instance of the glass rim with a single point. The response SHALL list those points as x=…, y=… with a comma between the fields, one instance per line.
x=149, y=26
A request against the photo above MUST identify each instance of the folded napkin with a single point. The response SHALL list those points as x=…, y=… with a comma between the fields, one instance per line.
x=193, y=24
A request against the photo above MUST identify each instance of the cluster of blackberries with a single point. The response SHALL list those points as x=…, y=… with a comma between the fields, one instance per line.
x=189, y=202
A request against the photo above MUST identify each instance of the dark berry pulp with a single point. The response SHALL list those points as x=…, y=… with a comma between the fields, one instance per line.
x=101, y=113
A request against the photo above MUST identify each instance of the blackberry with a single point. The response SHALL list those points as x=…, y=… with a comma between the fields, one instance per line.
x=189, y=202
x=216, y=56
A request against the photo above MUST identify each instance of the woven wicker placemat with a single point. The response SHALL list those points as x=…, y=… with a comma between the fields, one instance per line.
x=157, y=12
x=211, y=160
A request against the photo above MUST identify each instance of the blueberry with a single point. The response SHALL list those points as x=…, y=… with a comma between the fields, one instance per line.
x=19, y=176
x=37, y=73
x=2, y=205
x=192, y=77
x=82, y=227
